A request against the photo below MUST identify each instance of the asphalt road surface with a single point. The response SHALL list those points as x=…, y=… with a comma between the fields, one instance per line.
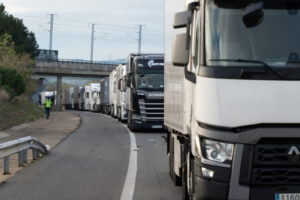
x=94, y=163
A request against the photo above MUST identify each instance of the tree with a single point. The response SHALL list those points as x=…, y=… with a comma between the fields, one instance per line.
x=23, y=39
x=10, y=59
x=12, y=82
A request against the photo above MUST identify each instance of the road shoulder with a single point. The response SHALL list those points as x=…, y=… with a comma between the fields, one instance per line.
x=50, y=132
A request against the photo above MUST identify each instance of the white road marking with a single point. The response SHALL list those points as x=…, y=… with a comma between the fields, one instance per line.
x=129, y=185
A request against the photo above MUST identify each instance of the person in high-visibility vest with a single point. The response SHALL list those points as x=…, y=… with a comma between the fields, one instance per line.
x=48, y=104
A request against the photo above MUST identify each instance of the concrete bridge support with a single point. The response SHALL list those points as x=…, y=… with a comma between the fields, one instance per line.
x=59, y=94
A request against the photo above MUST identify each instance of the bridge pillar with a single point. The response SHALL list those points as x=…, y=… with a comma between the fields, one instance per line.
x=59, y=94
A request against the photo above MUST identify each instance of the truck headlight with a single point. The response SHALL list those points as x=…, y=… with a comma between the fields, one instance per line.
x=136, y=117
x=217, y=151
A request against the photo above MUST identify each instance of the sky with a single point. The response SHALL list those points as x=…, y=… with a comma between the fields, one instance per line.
x=116, y=25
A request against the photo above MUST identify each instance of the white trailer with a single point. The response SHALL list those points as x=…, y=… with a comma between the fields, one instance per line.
x=121, y=92
x=86, y=98
x=95, y=97
x=81, y=98
x=47, y=94
x=76, y=97
x=112, y=93
x=69, y=98
x=232, y=80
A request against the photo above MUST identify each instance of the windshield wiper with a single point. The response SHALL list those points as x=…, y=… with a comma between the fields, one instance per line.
x=244, y=71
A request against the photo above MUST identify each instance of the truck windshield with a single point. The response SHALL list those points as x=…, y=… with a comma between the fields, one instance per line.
x=149, y=81
x=262, y=31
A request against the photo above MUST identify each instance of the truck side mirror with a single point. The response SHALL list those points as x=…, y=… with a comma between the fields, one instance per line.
x=182, y=19
x=180, y=54
x=119, y=84
x=123, y=85
x=127, y=82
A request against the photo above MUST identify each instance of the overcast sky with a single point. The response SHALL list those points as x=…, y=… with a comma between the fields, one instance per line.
x=116, y=25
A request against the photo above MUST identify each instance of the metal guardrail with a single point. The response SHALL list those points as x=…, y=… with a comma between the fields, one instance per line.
x=21, y=147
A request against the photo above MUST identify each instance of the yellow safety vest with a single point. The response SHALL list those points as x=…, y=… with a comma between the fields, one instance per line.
x=48, y=104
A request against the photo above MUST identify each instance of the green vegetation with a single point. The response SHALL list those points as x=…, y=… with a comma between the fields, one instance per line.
x=17, y=48
x=14, y=113
x=12, y=82
x=23, y=39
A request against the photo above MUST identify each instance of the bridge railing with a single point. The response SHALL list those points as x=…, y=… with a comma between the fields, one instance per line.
x=73, y=66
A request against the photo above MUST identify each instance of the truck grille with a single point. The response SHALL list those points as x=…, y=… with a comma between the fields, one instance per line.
x=273, y=165
x=152, y=109
x=276, y=176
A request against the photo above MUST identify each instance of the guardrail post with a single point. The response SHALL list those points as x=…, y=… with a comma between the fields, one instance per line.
x=6, y=166
x=25, y=156
x=34, y=154
x=20, y=159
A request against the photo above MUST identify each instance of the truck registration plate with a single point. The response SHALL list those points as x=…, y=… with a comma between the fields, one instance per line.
x=160, y=126
x=281, y=196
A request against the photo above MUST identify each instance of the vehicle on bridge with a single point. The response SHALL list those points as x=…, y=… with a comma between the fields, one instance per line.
x=121, y=92
x=232, y=98
x=145, y=91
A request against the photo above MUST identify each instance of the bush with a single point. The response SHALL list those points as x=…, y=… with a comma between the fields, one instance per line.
x=12, y=82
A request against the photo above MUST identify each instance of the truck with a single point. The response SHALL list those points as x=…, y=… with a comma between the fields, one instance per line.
x=112, y=93
x=145, y=91
x=232, y=96
x=69, y=98
x=43, y=96
x=95, y=97
x=81, y=98
x=104, y=96
x=76, y=98
x=121, y=93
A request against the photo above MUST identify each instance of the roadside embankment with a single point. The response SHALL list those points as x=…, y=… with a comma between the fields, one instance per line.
x=50, y=132
x=17, y=112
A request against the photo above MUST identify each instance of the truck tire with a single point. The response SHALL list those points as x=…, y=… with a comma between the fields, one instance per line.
x=187, y=175
x=176, y=179
x=119, y=114
x=111, y=111
x=130, y=124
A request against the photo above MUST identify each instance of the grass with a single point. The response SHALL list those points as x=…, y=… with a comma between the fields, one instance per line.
x=15, y=113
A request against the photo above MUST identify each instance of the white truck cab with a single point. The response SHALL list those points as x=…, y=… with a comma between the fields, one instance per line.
x=232, y=79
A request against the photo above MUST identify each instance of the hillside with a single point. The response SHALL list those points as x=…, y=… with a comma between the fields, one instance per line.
x=14, y=113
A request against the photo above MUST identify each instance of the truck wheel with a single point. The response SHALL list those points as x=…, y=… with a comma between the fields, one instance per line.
x=176, y=179
x=187, y=178
x=130, y=124
x=119, y=114
x=128, y=120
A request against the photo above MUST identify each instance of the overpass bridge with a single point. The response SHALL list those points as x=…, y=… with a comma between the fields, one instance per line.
x=67, y=68
x=73, y=69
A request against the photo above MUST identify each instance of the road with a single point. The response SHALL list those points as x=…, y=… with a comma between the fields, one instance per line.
x=92, y=163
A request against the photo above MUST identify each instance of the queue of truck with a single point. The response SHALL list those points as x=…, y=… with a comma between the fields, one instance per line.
x=226, y=97
x=133, y=93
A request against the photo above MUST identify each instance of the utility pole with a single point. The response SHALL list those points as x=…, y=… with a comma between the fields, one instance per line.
x=140, y=38
x=92, y=42
x=51, y=35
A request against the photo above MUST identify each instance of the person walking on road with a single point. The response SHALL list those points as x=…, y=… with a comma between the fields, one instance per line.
x=48, y=104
